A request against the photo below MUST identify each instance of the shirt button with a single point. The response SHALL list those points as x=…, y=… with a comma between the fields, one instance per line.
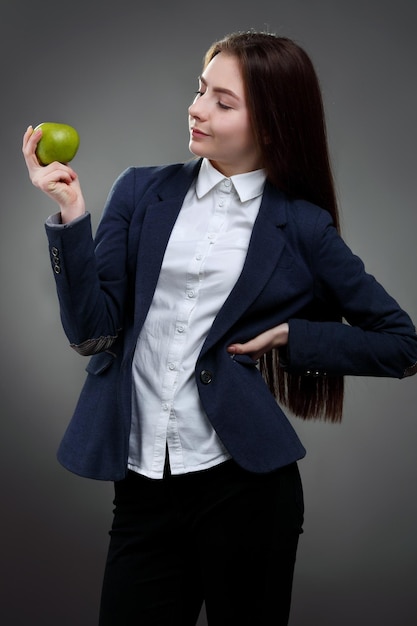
x=180, y=329
x=191, y=293
x=227, y=182
x=165, y=406
x=171, y=366
x=199, y=257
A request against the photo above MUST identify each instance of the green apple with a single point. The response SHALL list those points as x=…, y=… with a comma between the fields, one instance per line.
x=59, y=142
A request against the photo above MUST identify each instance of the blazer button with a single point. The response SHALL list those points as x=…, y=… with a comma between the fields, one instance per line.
x=206, y=377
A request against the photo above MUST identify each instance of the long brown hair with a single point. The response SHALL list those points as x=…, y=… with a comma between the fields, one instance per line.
x=287, y=114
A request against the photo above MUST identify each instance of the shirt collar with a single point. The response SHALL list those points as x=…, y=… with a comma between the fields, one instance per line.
x=248, y=186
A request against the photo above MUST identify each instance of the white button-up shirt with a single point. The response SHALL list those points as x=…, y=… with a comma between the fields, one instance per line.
x=202, y=262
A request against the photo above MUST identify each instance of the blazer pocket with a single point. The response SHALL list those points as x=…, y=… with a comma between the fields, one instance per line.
x=244, y=359
x=99, y=363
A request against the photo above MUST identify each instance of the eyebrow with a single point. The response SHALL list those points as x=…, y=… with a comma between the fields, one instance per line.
x=228, y=92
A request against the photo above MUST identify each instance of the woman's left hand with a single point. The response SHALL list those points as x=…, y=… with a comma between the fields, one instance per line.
x=256, y=347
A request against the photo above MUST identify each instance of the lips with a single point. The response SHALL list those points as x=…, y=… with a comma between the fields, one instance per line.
x=198, y=133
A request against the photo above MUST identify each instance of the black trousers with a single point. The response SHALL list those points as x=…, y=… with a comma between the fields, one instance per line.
x=224, y=536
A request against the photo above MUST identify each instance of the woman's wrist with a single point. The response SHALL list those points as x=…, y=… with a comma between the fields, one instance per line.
x=282, y=333
x=69, y=215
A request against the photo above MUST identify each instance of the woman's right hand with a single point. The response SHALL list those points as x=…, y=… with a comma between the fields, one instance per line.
x=57, y=180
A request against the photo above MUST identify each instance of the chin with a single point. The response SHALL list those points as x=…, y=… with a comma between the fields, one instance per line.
x=195, y=150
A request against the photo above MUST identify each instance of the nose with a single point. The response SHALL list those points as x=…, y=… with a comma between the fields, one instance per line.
x=195, y=109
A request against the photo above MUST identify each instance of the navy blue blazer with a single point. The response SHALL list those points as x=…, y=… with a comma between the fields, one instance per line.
x=295, y=262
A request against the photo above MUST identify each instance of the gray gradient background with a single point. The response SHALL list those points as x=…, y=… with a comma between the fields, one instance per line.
x=124, y=75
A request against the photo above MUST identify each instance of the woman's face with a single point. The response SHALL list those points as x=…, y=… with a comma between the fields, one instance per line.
x=219, y=120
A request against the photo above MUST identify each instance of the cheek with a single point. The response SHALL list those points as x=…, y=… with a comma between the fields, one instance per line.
x=243, y=137
x=231, y=131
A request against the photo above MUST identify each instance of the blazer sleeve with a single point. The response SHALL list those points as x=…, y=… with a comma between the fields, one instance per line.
x=90, y=274
x=376, y=337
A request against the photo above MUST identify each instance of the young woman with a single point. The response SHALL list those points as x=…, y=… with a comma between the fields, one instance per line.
x=214, y=293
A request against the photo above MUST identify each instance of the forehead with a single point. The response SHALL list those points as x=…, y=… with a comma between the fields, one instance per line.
x=224, y=71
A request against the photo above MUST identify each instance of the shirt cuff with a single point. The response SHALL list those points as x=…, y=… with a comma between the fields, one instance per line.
x=54, y=221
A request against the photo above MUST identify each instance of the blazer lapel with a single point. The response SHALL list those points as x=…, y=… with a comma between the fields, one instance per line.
x=265, y=248
x=161, y=213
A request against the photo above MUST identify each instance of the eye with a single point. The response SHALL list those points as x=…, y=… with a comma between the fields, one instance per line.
x=223, y=106
x=220, y=104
